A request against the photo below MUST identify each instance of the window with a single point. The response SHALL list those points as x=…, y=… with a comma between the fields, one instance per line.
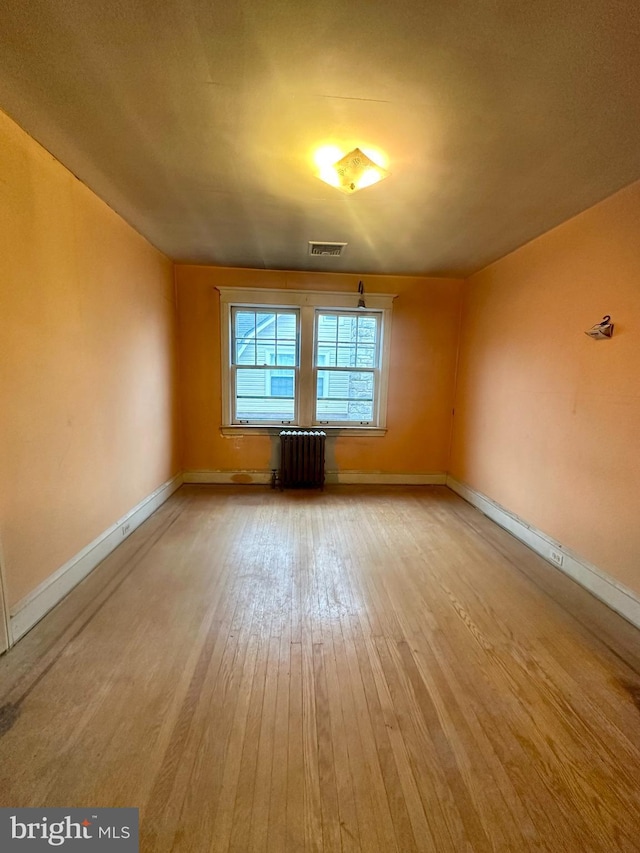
x=260, y=338
x=346, y=340
x=300, y=358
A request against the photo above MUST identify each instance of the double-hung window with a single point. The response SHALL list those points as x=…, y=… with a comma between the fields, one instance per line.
x=305, y=359
x=264, y=364
x=347, y=366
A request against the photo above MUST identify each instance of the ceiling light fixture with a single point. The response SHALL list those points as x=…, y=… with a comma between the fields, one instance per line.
x=353, y=172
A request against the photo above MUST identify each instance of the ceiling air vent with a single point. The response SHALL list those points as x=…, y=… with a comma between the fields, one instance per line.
x=333, y=249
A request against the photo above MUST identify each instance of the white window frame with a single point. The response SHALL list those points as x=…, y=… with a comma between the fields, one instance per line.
x=233, y=368
x=307, y=302
x=375, y=370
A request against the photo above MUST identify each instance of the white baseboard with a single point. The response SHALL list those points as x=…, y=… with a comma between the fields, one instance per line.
x=614, y=594
x=5, y=635
x=243, y=478
x=347, y=477
x=30, y=610
x=379, y=478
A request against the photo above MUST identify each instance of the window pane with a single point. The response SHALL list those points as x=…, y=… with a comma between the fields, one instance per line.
x=245, y=352
x=327, y=327
x=286, y=326
x=326, y=354
x=262, y=396
x=285, y=353
x=347, y=395
x=366, y=356
x=347, y=324
x=346, y=356
x=367, y=329
x=245, y=324
x=266, y=324
x=244, y=334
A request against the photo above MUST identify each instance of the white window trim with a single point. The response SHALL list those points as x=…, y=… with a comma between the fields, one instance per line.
x=308, y=301
x=231, y=369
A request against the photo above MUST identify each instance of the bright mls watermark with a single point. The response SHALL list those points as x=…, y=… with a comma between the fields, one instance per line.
x=104, y=830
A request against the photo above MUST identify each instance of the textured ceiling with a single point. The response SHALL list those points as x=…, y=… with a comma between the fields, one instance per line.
x=196, y=120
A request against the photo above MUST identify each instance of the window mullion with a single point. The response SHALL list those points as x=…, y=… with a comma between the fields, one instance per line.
x=306, y=390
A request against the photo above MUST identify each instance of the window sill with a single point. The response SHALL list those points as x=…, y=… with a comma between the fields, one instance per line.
x=331, y=431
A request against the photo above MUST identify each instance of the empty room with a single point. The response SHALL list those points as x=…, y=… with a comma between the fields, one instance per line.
x=319, y=424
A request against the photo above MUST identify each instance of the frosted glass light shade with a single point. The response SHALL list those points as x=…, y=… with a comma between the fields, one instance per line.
x=353, y=172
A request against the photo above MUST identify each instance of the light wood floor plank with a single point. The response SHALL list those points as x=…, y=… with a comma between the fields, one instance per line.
x=277, y=828
x=296, y=777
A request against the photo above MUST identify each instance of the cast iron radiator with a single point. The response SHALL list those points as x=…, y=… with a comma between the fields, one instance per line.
x=302, y=459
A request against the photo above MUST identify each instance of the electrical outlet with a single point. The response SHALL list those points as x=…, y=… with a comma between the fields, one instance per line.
x=125, y=529
x=557, y=557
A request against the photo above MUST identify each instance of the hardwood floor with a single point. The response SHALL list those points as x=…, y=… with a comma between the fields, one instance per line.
x=362, y=669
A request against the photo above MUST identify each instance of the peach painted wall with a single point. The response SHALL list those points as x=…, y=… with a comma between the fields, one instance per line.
x=423, y=354
x=88, y=366
x=547, y=420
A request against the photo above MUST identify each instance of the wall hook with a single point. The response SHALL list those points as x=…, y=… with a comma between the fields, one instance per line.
x=603, y=329
x=361, y=302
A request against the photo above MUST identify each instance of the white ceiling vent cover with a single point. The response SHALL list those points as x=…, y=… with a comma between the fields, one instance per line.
x=332, y=249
